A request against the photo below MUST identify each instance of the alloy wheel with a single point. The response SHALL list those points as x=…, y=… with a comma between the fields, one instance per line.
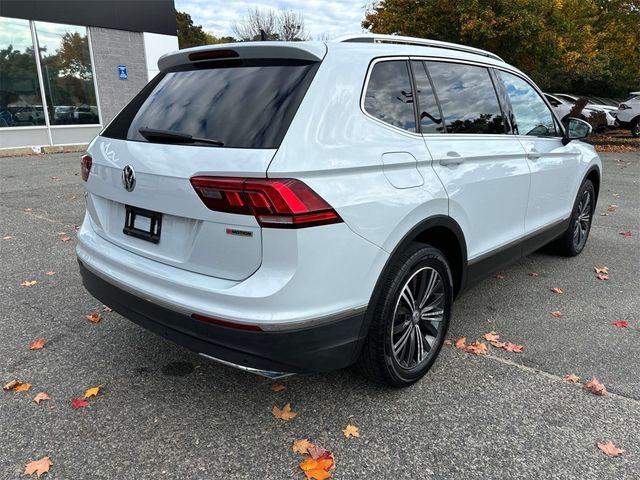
x=583, y=221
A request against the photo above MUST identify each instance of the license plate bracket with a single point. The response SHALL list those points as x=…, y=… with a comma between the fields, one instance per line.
x=143, y=224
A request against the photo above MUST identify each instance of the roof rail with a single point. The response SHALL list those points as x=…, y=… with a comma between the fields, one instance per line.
x=398, y=39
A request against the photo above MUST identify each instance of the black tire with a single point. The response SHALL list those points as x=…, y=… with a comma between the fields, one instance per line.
x=635, y=128
x=425, y=268
x=573, y=241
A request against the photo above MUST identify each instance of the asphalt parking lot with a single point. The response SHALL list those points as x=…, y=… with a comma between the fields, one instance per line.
x=165, y=412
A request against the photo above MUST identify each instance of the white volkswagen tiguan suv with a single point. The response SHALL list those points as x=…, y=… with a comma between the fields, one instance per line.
x=300, y=207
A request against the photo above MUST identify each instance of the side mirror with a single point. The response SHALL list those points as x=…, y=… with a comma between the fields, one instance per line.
x=576, y=129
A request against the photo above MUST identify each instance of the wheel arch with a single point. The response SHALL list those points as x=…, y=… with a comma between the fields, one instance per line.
x=593, y=174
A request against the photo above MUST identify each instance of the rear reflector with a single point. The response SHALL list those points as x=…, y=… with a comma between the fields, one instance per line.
x=85, y=166
x=278, y=203
x=212, y=55
x=225, y=323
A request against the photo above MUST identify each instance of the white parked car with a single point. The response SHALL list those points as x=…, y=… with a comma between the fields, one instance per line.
x=608, y=110
x=628, y=114
x=299, y=207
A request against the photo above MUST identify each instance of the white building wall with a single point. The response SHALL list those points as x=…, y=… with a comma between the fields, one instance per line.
x=156, y=45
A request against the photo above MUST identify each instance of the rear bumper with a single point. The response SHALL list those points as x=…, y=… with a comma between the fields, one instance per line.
x=325, y=347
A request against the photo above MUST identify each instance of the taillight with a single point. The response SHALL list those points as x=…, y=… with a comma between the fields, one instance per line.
x=279, y=203
x=85, y=166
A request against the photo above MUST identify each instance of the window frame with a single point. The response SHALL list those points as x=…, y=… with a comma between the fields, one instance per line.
x=417, y=98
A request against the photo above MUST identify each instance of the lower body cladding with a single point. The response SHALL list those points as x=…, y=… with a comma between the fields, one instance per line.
x=328, y=346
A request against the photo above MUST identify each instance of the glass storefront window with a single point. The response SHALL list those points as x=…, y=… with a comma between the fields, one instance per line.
x=67, y=74
x=20, y=100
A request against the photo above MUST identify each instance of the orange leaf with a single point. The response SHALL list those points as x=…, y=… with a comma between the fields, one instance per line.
x=460, y=343
x=39, y=467
x=325, y=463
x=557, y=290
x=610, y=449
x=92, y=392
x=278, y=387
x=37, y=344
x=94, y=317
x=23, y=387
x=28, y=283
x=285, y=414
x=351, y=431
x=602, y=269
x=317, y=452
x=491, y=337
x=620, y=323
x=612, y=208
x=41, y=397
x=65, y=238
x=476, y=348
x=11, y=385
x=571, y=377
x=556, y=313
x=77, y=403
x=595, y=387
x=317, y=474
x=301, y=446
x=498, y=344
x=513, y=348
x=308, y=464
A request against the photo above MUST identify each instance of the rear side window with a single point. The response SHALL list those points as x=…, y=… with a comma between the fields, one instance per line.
x=430, y=118
x=241, y=103
x=531, y=114
x=389, y=96
x=467, y=97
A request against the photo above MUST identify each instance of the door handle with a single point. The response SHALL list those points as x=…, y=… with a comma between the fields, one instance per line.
x=453, y=158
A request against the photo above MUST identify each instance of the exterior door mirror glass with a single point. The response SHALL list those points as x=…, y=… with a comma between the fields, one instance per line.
x=577, y=129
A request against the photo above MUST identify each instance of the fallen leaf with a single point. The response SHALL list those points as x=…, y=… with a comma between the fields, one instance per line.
x=557, y=290
x=556, y=313
x=50, y=273
x=77, y=403
x=534, y=274
x=571, y=377
x=476, y=348
x=278, y=387
x=620, y=323
x=106, y=309
x=498, y=344
x=11, y=385
x=460, y=343
x=595, y=387
x=76, y=227
x=41, y=397
x=23, y=387
x=28, y=209
x=301, y=446
x=602, y=269
x=610, y=449
x=313, y=470
x=499, y=277
x=65, y=238
x=7, y=237
x=351, y=431
x=447, y=343
x=37, y=344
x=612, y=208
x=92, y=392
x=39, y=467
x=28, y=283
x=602, y=277
x=285, y=414
x=94, y=317
x=317, y=452
x=491, y=337
x=626, y=233
x=513, y=348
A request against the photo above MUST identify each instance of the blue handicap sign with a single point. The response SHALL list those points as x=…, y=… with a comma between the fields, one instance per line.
x=122, y=72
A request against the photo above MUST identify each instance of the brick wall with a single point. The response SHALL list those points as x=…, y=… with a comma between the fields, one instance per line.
x=110, y=49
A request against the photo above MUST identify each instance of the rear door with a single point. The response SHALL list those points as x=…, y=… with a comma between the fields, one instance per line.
x=139, y=192
x=482, y=167
x=554, y=167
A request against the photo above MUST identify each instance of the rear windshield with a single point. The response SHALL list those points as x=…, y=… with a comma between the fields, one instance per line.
x=241, y=103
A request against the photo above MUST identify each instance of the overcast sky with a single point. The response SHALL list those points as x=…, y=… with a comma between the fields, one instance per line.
x=330, y=17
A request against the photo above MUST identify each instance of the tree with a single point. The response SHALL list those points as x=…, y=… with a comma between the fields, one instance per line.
x=583, y=46
x=190, y=35
x=286, y=25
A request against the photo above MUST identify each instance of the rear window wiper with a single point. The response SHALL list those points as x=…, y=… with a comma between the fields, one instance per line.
x=155, y=135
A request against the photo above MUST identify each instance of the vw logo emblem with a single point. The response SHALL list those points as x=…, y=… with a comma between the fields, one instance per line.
x=128, y=178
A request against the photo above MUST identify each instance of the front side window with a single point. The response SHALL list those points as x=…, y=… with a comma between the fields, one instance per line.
x=20, y=101
x=531, y=115
x=430, y=118
x=389, y=96
x=467, y=97
x=67, y=74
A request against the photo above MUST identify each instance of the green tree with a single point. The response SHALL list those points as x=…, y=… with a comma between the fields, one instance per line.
x=582, y=46
x=189, y=35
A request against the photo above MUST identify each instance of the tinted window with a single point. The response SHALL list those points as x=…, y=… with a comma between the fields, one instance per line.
x=389, y=95
x=531, y=114
x=467, y=97
x=244, y=104
x=430, y=119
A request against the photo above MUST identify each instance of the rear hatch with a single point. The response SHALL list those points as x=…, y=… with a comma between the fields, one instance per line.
x=218, y=112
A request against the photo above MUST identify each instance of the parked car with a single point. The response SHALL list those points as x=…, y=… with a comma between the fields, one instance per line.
x=85, y=114
x=607, y=109
x=63, y=114
x=30, y=114
x=628, y=114
x=298, y=207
